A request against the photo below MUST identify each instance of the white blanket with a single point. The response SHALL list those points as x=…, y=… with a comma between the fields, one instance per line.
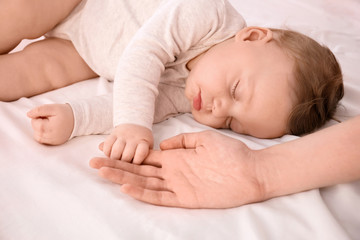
x=51, y=192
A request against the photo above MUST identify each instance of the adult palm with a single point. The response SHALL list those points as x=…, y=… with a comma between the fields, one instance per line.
x=193, y=170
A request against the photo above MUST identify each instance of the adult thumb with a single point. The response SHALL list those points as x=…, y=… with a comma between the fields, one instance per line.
x=184, y=140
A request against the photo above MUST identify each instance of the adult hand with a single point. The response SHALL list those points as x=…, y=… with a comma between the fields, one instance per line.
x=193, y=170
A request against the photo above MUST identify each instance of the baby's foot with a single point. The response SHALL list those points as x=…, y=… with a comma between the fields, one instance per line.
x=52, y=123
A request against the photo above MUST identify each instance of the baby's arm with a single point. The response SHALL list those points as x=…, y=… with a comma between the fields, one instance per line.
x=52, y=123
x=55, y=124
x=176, y=29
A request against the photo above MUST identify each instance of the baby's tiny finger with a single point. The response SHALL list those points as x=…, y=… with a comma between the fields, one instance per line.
x=117, y=149
x=141, y=153
x=34, y=112
x=101, y=146
x=128, y=153
x=30, y=114
x=107, y=146
x=39, y=130
x=45, y=110
x=39, y=124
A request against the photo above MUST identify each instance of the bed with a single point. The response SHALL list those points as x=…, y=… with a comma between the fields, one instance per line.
x=50, y=192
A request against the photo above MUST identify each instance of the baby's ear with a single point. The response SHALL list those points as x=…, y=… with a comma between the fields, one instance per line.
x=254, y=34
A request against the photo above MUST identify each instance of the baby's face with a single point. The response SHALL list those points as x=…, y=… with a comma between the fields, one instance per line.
x=246, y=86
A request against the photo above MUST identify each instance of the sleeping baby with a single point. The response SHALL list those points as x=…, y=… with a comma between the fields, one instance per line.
x=168, y=57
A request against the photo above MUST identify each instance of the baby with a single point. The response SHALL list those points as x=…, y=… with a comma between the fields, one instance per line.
x=256, y=81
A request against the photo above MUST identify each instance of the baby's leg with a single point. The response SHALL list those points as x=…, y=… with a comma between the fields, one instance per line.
x=20, y=19
x=42, y=66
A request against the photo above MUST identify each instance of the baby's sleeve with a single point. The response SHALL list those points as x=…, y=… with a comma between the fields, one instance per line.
x=176, y=26
x=92, y=115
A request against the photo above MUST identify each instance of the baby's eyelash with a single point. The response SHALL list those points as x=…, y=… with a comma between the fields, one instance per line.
x=234, y=88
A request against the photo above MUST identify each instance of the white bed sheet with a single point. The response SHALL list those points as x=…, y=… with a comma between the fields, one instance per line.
x=52, y=193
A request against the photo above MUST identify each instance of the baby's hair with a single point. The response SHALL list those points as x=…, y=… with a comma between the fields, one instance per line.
x=318, y=81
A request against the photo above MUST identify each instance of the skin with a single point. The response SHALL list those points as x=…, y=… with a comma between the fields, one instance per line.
x=30, y=18
x=189, y=173
x=44, y=65
x=232, y=85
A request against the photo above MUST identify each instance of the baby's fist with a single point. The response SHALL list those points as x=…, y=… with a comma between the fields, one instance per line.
x=52, y=123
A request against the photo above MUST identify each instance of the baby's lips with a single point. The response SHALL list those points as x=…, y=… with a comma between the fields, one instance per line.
x=197, y=102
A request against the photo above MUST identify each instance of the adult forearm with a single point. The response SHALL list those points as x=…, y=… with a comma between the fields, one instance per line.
x=324, y=158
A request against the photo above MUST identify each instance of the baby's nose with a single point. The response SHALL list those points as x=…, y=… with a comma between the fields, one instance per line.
x=220, y=108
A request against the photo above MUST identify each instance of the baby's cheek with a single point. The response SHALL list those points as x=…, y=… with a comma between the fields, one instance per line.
x=209, y=120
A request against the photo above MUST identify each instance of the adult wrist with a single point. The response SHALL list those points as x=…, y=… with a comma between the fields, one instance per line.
x=264, y=172
x=273, y=177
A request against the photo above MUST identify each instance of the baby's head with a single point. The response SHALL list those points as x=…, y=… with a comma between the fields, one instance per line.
x=265, y=83
x=318, y=81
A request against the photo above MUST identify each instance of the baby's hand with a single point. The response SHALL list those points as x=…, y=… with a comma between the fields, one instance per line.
x=128, y=142
x=52, y=123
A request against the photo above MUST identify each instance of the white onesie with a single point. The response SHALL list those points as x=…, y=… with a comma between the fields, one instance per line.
x=143, y=46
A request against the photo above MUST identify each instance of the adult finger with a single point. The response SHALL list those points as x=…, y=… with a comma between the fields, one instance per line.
x=120, y=176
x=156, y=197
x=154, y=158
x=184, y=140
x=143, y=170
